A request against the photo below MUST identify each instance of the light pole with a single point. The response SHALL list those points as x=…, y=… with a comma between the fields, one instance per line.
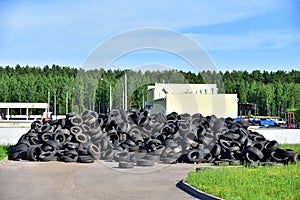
x=125, y=93
x=110, y=97
x=48, y=107
x=55, y=104
x=67, y=103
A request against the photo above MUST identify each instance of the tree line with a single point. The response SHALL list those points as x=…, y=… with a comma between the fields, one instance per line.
x=77, y=89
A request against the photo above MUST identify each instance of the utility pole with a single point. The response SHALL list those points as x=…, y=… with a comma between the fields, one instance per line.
x=110, y=93
x=67, y=96
x=55, y=104
x=125, y=92
x=48, y=108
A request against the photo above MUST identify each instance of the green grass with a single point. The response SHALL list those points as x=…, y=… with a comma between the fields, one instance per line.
x=272, y=182
x=295, y=147
x=4, y=151
x=263, y=182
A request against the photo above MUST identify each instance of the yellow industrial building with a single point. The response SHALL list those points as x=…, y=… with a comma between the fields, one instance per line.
x=191, y=98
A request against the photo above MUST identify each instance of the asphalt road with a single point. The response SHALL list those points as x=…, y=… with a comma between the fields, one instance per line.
x=100, y=180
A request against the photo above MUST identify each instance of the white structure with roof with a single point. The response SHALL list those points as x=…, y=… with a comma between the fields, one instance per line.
x=27, y=106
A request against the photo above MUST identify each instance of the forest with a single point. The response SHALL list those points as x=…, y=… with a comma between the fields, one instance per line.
x=77, y=89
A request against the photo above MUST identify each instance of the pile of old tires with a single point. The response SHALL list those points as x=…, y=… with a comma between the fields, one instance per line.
x=136, y=138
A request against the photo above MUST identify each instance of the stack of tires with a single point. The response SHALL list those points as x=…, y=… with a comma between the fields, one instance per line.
x=136, y=138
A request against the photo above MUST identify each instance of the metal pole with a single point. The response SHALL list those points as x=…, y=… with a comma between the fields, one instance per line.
x=55, y=104
x=123, y=98
x=110, y=98
x=125, y=91
x=67, y=96
x=48, y=107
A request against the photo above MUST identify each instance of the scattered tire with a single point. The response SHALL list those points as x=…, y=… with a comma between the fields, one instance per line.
x=85, y=159
x=296, y=157
x=126, y=165
x=144, y=162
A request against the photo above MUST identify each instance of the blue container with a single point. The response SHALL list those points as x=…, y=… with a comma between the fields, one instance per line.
x=267, y=123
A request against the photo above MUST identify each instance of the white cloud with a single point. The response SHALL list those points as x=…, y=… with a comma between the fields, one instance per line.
x=252, y=40
x=111, y=16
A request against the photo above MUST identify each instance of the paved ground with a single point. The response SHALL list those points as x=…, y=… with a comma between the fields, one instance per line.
x=283, y=136
x=57, y=180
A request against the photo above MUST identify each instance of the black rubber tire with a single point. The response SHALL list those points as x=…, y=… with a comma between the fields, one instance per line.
x=46, y=156
x=33, y=152
x=221, y=163
x=21, y=147
x=94, y=151
x=83, y=152
x=122, y=156
x=71, y=145
x=45, y=147
x=76, y=120
x=60, y=139
x=169, y=160
x=157, y=150
x=271, y=145
x=258, y=144
x=24, y=141
x=44, y=128
x=285, y=152
x=32, y=133
x=296, y=157
x=130, y=143
x=171, y=143
x=85, y=128
x=108, y=154
x=190, y=135
x=253, y=154
x=140, y=154
x=69, y=159
x=81, y=138
x=145, y=163
x=53, y=144
x=66, y=132
x=195, y=156
x=20, y=155
x=33, y=141
x=46, y=137
x=216, y=150
x=152, y=157
x=224, y=143
x=75, y=130
x=126, y=165
x=85, y=159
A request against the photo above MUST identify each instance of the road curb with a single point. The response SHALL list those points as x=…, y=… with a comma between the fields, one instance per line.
x=3, y=161
x=195, y=192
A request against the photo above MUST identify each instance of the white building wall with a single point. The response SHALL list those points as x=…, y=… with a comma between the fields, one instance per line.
x=221, y=105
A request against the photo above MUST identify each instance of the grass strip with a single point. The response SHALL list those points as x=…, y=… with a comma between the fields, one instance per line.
x=265, y=182
x=295, y=147
x=4, y=151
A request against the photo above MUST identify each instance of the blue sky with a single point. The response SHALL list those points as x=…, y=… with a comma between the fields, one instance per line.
x=237, y=35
